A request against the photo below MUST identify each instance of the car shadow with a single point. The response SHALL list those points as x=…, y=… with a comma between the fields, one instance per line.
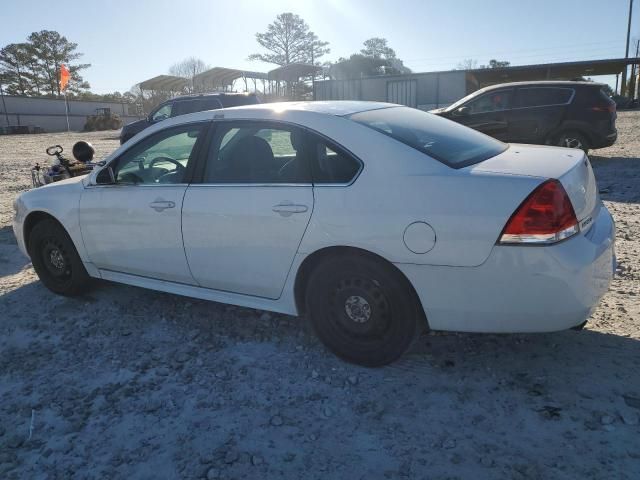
x=617, y=178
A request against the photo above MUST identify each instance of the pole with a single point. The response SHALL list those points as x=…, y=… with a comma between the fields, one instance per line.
x=66, y=109
x=4, y=105
x=623, y=88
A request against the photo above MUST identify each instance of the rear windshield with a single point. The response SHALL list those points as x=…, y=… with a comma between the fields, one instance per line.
x=449, y=142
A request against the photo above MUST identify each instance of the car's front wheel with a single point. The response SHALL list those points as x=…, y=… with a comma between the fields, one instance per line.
x=55, y=259
x=363, y=310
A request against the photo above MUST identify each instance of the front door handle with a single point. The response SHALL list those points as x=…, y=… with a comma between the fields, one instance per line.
x=286, y=209
x=160, y=205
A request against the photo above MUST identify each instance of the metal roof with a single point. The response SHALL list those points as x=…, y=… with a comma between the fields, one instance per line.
x=550, y=71
x=293, y=72
x=166, y=83
x=225, y=76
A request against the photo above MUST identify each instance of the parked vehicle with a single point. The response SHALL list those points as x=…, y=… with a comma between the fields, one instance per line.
x=567, y=114
x=187, y=104
x=374, y=219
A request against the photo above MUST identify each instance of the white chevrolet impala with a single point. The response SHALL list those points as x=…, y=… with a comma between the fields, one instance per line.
x=373, y=219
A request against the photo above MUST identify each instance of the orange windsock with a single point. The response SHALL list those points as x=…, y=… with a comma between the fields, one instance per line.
x=64, y=77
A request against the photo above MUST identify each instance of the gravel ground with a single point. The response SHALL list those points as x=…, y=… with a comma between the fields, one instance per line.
x=129, y=383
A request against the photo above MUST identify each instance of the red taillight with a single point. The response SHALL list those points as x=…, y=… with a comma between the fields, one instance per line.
x=546, y=216
x=610, y=107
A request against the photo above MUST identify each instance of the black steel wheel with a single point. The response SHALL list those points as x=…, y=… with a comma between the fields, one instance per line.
x=55, y=259
x=363, y=310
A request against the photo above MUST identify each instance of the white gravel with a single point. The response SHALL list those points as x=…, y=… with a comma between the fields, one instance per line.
x=129, y=383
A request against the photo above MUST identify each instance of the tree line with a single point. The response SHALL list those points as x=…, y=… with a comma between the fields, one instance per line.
x=32, y=67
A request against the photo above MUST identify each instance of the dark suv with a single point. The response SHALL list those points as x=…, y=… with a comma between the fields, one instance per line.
x=568, y=114
x=187, y=104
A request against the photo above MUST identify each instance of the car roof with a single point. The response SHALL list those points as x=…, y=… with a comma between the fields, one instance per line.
x=541, y=83
x=340, y=108
x=214, y=94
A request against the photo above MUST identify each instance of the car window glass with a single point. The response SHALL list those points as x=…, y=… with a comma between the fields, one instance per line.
x=162, y=113
x=184, y=107
x=491, y=102
x=451, y=143
x=257, y=154
x=209, y=104
x=330, y=165
x=538, y=97
x=159, y=159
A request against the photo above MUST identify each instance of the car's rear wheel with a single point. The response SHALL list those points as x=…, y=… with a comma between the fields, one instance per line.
x=362, y=310
x=573, y=140
x=56, y=260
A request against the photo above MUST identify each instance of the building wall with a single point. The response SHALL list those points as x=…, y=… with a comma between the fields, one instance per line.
x=423, y=90
x=49, y=113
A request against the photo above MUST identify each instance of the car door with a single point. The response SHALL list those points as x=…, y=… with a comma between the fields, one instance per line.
x=537, y=112
x=133, y=224
x=243, y=222
x=489, y=113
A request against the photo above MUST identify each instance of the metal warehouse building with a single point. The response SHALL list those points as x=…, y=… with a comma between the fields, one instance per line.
x=49, y=113
x=440, y=89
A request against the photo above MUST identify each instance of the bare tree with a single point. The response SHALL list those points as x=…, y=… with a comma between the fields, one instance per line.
x=188, y=68
x=467, y=64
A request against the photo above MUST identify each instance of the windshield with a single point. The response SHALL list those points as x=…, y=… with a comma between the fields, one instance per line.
x=449, y=142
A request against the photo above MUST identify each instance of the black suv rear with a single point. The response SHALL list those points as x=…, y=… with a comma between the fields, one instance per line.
x=569, y=114
x=187, y=104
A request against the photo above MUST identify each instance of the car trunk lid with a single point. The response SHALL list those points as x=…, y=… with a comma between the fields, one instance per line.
x=570, y=166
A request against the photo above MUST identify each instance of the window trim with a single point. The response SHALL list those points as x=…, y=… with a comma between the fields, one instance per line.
x=198, y=178
x=191, y=166
x=568, y=102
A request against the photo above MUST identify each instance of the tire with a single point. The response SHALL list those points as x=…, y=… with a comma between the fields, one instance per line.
x=362, y=310
x=56, y=260
x=573, y=140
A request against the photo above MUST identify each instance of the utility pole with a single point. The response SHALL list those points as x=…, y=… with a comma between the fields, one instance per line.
x=4, y=105
x=634, y=72
x=623, y=88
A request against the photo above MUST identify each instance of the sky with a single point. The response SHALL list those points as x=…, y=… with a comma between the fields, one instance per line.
x=127, y=42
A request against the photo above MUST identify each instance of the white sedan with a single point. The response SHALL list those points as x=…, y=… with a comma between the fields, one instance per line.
x=373, y=219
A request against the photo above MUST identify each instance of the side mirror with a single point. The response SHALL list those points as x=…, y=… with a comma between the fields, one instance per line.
x=463, y=111
x=106, y=176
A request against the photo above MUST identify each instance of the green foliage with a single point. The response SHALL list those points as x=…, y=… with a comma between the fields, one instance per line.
x=377, y=47
x=376, y=58
x=497, y=64
x=32, y=67
x=289, y=40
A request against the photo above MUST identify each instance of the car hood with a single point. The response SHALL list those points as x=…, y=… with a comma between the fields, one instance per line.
x=135, y=125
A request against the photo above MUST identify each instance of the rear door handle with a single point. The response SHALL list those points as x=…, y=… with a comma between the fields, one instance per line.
x=287, y=209
x=160, y=205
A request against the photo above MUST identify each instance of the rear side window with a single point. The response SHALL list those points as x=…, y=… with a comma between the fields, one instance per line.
x=184, y=107
x=210, y=104
x=448, y=142
x=331, y=165
x=543, y=96
x=238, y=100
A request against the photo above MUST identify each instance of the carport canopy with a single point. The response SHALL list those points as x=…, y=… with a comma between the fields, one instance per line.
x=220, y=76
x=293, y=72
x=165, y=83
x=552, y=71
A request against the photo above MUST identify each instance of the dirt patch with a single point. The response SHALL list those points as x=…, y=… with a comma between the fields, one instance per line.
x=130, y=383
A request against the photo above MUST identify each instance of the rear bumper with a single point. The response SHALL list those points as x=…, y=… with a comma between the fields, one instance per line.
x=521, y=288
x=602, y=141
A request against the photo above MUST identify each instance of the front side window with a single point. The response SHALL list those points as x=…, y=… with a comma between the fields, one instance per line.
x=162, y=113
x=544, y=96
x=449, y=142
x=257, y=153
x=491, y=102
x=159, y=159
